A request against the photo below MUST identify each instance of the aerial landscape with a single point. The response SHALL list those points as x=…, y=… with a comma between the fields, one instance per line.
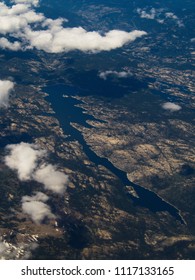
x=97, y=146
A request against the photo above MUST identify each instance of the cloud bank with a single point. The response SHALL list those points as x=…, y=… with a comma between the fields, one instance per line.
x=5, y=88
x=171, y=106
x=23, y=28
x=36, y=207
x=68, y=39
x=30, y=164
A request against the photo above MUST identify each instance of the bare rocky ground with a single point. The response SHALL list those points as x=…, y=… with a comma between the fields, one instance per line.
x=96, y=219
x=95, y=210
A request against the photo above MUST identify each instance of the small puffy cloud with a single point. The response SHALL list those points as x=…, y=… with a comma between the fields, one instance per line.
x=171, y=15
x=121, y=74
x=54, y=24
x=161, y=21
x=36, y=208
x=17, y=9
x=6, y=44
x=52, y=179
x=23, y=158
x=148, y=15
x=159, y=15
x=32, y=17
x=171, y=106
x=175, y=18
x=29, y=161
x=39, y=196
x=5, y=88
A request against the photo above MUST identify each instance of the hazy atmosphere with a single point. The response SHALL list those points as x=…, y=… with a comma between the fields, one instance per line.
x=97, y=130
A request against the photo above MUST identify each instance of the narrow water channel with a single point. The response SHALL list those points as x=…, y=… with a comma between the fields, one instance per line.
x=66, y=112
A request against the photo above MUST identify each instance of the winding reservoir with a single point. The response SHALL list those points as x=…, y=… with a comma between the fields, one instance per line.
x=66, y=112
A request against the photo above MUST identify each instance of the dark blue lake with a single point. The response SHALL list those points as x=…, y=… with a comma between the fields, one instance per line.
x=66, y=112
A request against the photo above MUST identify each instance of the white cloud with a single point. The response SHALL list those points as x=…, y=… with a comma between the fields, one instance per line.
x=32, y=17
x=150, y=15
x=10, y=24
x=159, y=15
x=171, y=15
x=23, y=158
x=51, y=36
x=14, y=19
x=31, y=2
x=26, y=158
x=39, y=196
x=6, y=44
x=5, y=88
x=36, y=208
x=121, y=74
x=175, y=18
x=51, y=178
x=171, y=106
x=17, y=9
x=54, y=24
x=161, y=21
x=77, y=38
x=14, y=10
